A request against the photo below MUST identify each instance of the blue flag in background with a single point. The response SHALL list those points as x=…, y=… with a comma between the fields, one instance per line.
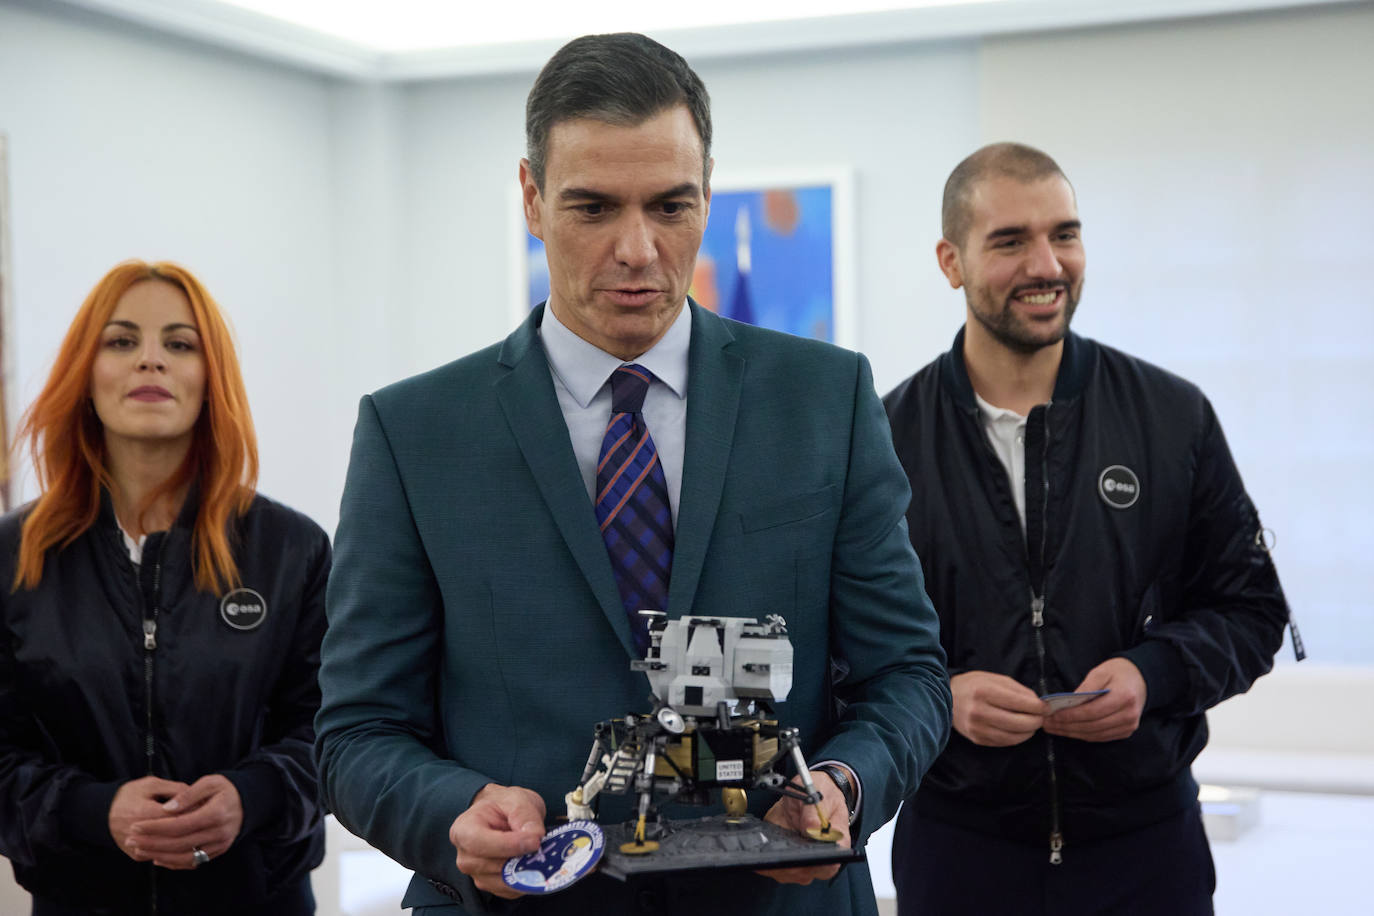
x=741, y=309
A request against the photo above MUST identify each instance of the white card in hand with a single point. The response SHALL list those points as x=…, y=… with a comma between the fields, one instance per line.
x=1060, y=701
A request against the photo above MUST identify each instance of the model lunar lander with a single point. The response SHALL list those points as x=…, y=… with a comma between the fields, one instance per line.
x=712, y=729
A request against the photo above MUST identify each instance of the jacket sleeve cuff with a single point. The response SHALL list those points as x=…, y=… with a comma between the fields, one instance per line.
x=261, y=793
x=85, y=814
x=1166, y=679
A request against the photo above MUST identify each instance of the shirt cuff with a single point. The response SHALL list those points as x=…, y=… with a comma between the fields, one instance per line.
x=854, y=778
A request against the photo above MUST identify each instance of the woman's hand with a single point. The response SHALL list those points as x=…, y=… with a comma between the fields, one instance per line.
x=139, y=801
x=206, y=815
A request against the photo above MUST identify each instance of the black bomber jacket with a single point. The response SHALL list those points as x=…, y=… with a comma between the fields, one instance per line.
x=110, y=672
x=1140, y=542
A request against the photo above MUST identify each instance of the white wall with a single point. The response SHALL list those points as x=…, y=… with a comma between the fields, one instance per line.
x=1225, y=174
x=356, y=234
x=889, y=114
x=462, y=141
x=900, y=117
x=124, y=144
x=359, y=233
x=360, y=300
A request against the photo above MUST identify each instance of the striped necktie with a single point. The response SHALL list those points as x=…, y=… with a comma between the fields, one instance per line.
x=632, y=503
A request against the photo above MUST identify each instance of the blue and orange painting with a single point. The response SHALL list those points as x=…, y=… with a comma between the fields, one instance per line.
x=767, y=258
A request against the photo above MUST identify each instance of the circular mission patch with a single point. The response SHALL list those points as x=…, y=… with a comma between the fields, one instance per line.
x=243, y=609
x=1118, y=486
x=565, y=855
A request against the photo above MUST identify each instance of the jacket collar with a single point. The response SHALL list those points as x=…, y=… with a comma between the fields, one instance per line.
x=1074, y=368
x=526, y=395
x=186, y=516
x=714, y=380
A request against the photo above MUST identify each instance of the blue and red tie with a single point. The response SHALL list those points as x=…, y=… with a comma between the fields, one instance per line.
x=632, y=503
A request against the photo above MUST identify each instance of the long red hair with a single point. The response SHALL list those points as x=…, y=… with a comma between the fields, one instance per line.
x=67, y=441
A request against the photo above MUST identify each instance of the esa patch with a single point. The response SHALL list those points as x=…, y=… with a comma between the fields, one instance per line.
x=1118, y=486
x=243, y=609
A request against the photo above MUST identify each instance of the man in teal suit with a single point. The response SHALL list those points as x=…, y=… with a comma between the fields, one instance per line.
x=478, y=621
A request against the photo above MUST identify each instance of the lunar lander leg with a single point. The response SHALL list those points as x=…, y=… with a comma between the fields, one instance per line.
x=579, y=800
x=639, y=845
x=789, y=743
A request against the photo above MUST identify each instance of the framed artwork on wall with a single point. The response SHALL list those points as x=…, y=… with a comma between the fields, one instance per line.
x=777, y=252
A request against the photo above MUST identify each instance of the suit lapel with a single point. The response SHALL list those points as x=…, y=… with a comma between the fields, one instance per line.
x=531, y=407
x=714, y=379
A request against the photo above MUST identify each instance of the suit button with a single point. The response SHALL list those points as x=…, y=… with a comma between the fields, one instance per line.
x=648, y=902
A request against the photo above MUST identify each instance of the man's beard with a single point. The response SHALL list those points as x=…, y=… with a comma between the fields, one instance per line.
x=1017, y=334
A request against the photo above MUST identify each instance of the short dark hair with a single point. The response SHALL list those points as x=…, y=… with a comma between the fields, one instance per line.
x=622, y=78
x=1009, y=160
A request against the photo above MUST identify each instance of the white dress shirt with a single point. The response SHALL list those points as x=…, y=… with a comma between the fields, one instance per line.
x=581, y=376
x=1006, y=431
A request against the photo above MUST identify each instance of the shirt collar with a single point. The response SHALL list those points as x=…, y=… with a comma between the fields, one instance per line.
x=992, y=414
x=583, y=368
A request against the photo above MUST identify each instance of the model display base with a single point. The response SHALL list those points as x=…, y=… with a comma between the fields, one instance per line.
x=718, y=842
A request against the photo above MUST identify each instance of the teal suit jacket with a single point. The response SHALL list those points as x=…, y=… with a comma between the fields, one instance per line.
x=476, y=633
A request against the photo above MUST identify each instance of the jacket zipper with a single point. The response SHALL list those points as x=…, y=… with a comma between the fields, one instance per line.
x=1056, y=836
x=149, y=647
x=151, y=608
x=1037, y=627
x=1037, y=608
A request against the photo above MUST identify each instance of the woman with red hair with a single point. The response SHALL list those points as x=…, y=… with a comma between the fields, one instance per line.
x=160, y=625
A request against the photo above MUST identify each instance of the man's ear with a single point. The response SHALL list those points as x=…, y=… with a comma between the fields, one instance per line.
x=950, y=264
x=532, y=201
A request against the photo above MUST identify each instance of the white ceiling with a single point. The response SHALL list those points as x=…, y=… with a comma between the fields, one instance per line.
x=426, y=25
x=395, y=40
